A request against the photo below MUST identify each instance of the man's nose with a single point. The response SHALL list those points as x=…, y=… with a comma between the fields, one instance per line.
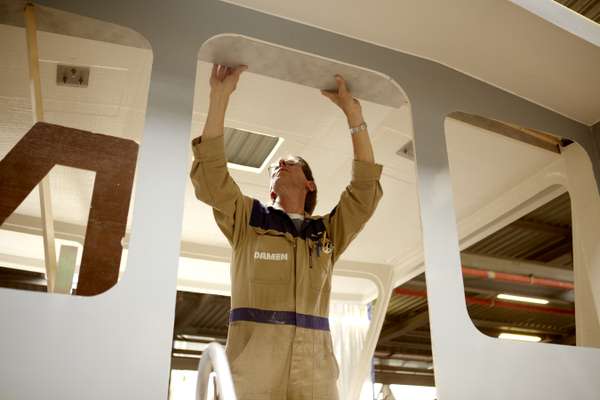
x=281, y=162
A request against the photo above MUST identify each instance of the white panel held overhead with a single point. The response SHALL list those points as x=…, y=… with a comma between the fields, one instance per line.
x=298, y=67
x=124, y=336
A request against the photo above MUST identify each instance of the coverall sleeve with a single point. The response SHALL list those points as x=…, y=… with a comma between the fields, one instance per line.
x=214, y=186
x=356, y=205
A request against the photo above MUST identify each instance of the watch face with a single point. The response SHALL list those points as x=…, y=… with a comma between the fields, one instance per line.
x=359, y=128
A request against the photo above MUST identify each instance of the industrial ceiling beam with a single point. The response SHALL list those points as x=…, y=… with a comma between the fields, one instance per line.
x=193, y=339
x=391, y=378
x=192, y=313
x=8, y=274
x=537, y=226
x=406, y=326
x=184, y=363
x=201, y=331
x=391, y=354
x=512, y=266
x=402, y=291
x=510, y=326
x=565, y=298
x=554, y=250
x=398, y=369
x=404, y=345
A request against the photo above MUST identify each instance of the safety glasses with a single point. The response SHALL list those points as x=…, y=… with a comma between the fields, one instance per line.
x=273, y=168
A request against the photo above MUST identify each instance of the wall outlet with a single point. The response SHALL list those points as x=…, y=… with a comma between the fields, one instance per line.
x=71, y=75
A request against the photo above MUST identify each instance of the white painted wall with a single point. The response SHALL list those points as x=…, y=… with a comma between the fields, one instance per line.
x=117, y=345
x=585, y=205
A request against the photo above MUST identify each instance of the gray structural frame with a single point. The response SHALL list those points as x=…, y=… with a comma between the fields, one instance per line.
x=64, y=358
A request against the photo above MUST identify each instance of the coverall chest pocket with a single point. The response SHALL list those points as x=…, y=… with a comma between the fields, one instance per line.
x=273, y=259
x=319, y=267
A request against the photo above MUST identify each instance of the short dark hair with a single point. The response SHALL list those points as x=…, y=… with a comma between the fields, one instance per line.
x=310, y=202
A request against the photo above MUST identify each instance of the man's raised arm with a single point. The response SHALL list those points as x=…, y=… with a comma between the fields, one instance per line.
x=223, y=81
x=363, y=151
x=358, y=202
x=212, y=183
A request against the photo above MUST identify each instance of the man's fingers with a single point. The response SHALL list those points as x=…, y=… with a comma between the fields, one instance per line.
x=213, y=74
x=341, y=83
x=239, y=69
x=221, y=72
x=330, y=95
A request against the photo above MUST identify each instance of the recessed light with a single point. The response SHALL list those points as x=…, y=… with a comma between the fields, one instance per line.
x=523, y=299
x=523, y=338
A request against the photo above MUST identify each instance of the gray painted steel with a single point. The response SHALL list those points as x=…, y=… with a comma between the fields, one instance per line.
x=117, y=345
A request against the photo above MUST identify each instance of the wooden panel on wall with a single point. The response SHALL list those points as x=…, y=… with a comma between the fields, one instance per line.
x=112, y=158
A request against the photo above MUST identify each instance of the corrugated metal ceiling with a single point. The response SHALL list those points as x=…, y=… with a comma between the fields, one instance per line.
x=587, y=8
x=543, y=235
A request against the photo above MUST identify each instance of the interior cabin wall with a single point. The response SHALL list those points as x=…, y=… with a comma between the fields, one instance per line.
x=117, y=345
x=585, y=204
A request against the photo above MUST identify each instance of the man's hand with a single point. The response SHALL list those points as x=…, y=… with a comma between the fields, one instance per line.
x=361, y=143
x=223, y=80
x=344, y=100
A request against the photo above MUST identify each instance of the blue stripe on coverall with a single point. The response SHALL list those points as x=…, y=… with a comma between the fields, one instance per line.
x=279, y=318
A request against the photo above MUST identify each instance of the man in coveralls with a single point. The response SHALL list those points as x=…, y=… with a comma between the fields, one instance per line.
x=279, y=344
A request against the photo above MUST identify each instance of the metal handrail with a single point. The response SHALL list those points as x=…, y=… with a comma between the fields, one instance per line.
x=214, y=360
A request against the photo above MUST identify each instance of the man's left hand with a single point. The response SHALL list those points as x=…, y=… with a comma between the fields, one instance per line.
x=344, y=100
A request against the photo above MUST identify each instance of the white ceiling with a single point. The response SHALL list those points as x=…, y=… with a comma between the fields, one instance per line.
x=114, y=104
x=492, y=40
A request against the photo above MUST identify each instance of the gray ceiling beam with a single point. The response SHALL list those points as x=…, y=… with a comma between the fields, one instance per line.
x=503, y=326
x=550, y=229
x=566, y=298
x=404, y=327
x=192, y=312
x=200, y=331
x=391, y=378
x=184, y=363
x=397, y=355
x=511, y=266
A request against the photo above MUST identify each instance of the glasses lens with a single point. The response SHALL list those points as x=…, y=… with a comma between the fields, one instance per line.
x=289, y=162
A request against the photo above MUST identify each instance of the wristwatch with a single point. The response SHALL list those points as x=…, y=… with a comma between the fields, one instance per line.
x=361, y=127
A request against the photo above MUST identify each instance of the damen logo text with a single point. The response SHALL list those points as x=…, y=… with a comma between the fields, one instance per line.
x=264, y=255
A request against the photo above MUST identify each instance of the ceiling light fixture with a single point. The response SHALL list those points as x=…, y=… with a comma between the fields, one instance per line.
x=522, y=338
x=524, y=299
x=249, y=151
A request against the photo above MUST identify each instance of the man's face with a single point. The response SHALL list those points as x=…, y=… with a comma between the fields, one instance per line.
x=287, y=174
x=287, y=170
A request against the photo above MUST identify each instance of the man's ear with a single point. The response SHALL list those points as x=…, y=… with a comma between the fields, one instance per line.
x=310, y=185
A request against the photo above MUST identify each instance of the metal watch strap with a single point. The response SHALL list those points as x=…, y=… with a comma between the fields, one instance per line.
x=356, y=129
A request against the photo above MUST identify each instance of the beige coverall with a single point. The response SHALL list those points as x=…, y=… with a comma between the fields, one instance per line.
x=279, y=344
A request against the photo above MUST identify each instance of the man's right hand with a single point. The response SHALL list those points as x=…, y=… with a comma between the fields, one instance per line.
x=223, y=80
